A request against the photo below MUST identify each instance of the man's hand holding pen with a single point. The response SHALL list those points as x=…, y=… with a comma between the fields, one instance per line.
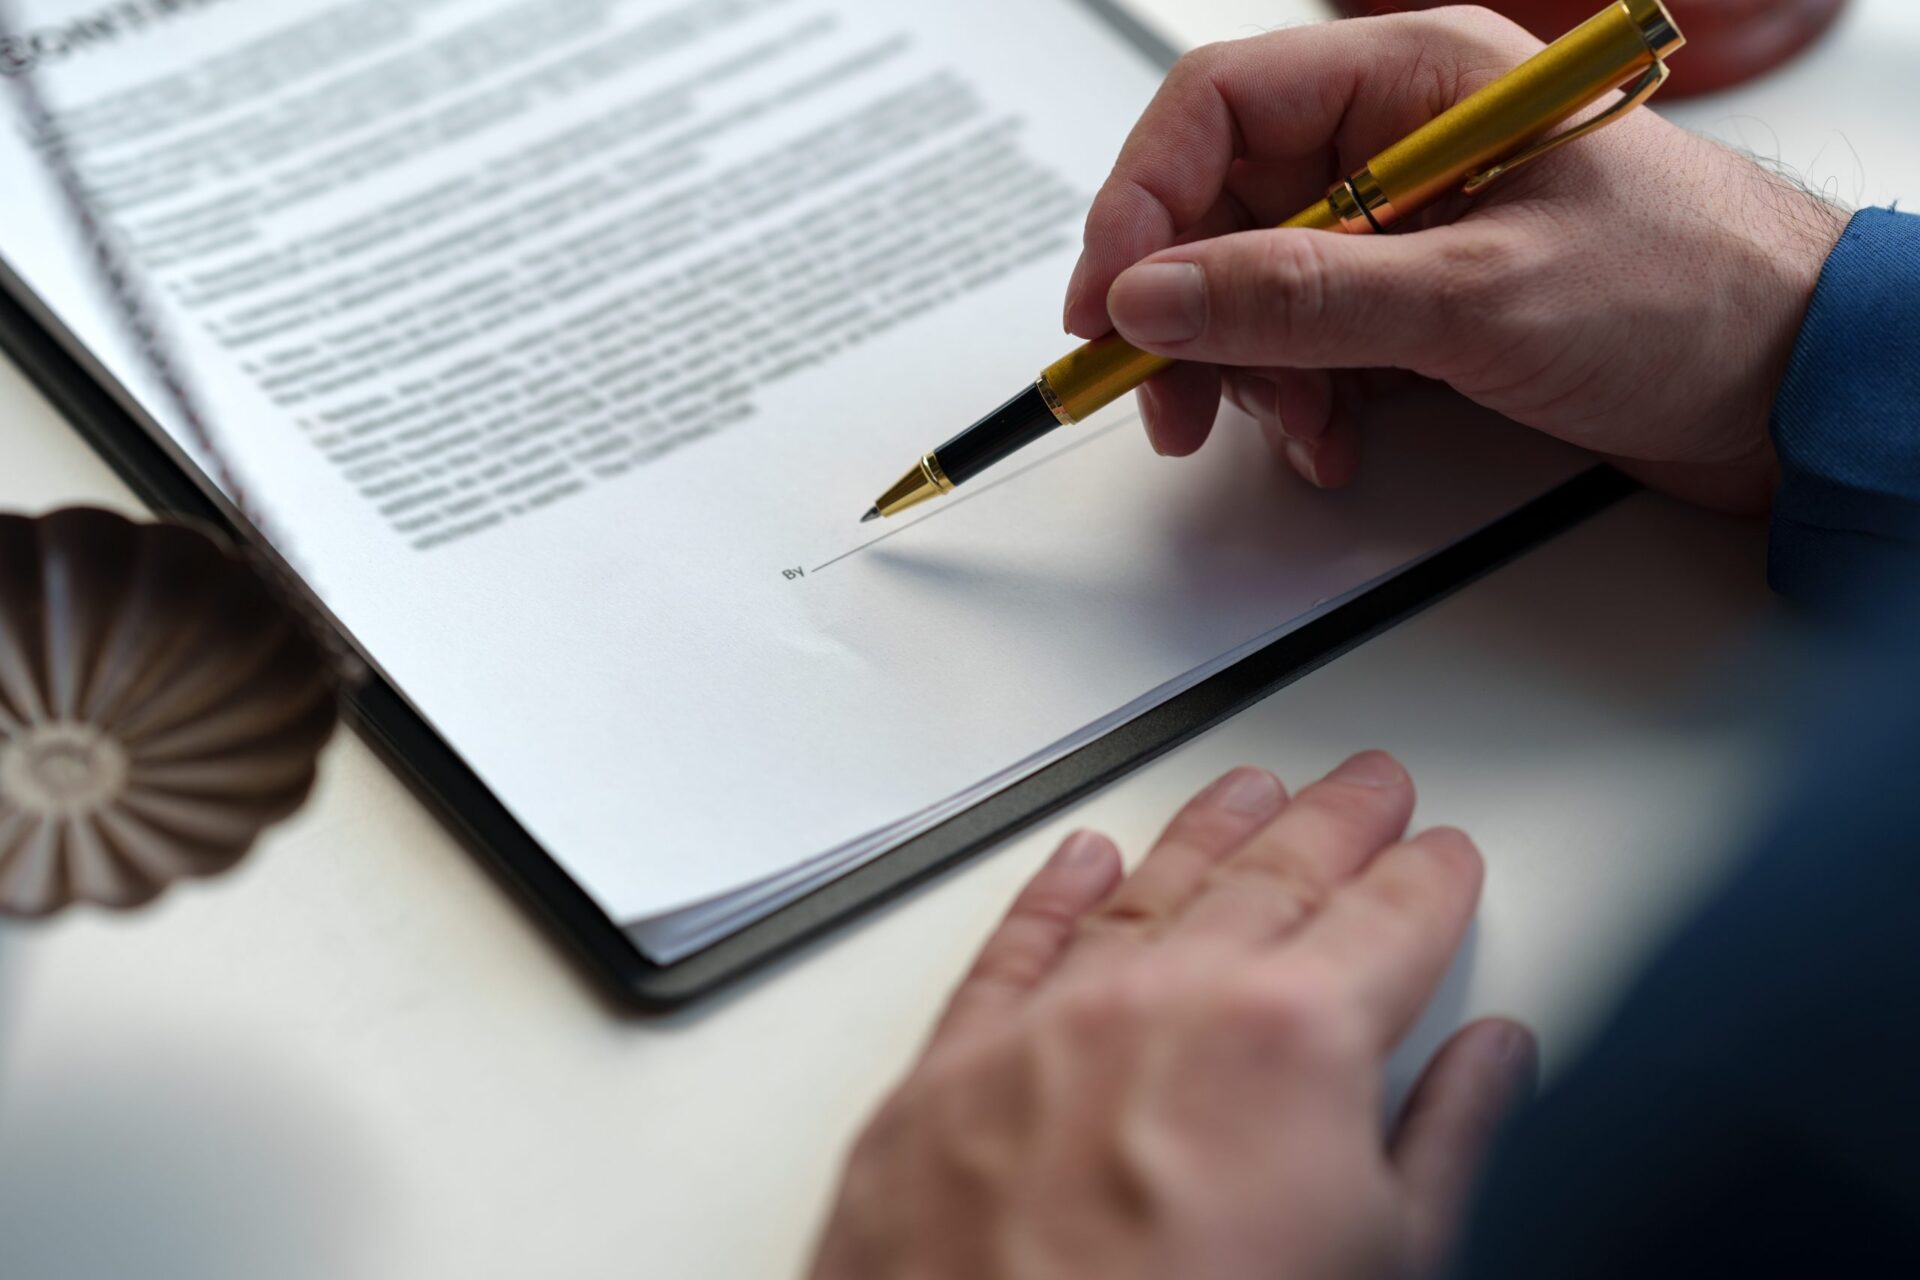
x=1636, y=293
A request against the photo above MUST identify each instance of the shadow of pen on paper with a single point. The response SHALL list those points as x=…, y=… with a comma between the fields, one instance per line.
x=157, y=1158
x=1578, y=630
x=1410, y=442
x=1038, y=597
x=949, y=570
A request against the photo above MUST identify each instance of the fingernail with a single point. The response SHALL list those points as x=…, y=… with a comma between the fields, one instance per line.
x=1302, y=460
x=1149, y=416
x=1080, y=850
x=1515, y=1052
x=1160, y=302
x=1246, y=790
x=1074, y=288
x=1304, y=426
x=1372, y=769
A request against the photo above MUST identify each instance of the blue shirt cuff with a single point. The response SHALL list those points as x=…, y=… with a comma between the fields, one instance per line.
x=1846, y=420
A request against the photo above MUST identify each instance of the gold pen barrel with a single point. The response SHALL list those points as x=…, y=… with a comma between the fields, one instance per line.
x=1091, y=377
x=1611, y=48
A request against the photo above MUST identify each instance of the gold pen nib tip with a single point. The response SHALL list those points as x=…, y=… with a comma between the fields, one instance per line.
x=873, y=513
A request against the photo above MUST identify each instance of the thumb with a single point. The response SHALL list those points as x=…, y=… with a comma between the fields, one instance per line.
x=1317, y=299
x=1478, y=1077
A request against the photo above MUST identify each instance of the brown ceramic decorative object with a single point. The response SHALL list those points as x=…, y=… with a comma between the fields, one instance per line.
x=159, y=707
x=1727, y=40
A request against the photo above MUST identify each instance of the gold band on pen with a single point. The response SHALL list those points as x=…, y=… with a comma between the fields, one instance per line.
x=1052, y=397
x=925, y=480
x=1656, y=27
x=1361, y=205
x=930, y=468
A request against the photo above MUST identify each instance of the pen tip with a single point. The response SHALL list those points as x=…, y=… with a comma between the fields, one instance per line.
x=873, y=513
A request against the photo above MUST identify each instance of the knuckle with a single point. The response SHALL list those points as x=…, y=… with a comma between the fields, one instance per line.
x=1399, y=904
x=1288, y=290
x=1198, y=65
x=1296, y=1012
x=1475, y=24
x=1108, y=1005
x=1120, y=203
x=1008, y=967
x=1355, y=806
x=1471, y=273
x=1126, y=915
x=1470, y=17
x=1461, y=49
x=1047, y=913
x=1201, y=834
x=1293, y=897
x=1139, y=907
x=1472, y=295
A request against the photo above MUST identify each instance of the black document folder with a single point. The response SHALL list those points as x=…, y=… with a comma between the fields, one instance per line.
x=388, y=718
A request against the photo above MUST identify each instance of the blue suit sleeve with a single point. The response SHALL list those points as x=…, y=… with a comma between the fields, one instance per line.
x=1750, y=1111
x=1846, y=421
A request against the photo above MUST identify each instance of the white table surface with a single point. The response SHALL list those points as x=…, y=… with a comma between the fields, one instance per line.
x=356, y=1057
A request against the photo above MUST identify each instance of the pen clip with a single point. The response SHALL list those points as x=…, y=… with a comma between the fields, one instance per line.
x=1637, y=93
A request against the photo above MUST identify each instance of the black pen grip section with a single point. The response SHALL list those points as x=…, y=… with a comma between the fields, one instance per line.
x=1007, y=430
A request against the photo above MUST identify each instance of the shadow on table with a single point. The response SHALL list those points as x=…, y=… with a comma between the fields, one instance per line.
x=9, y=980
x=160, y=1159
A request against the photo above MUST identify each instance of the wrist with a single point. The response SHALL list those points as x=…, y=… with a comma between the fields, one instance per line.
x=1793, y=232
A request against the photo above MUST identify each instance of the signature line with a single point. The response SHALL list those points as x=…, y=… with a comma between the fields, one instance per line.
x=944, y=507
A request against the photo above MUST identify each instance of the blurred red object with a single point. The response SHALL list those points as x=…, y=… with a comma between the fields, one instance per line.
x=1727, y=40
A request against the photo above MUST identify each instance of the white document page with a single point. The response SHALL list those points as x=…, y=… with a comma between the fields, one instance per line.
x=563, y=342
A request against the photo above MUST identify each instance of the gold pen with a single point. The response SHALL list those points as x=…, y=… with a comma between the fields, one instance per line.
x=1493, y=132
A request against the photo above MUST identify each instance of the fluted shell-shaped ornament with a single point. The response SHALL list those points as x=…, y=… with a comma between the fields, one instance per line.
x=160, y=706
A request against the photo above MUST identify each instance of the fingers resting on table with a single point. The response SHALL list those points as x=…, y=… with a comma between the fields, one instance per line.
x=1322, y=887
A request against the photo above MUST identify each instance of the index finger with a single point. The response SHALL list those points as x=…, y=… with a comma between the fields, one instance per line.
x=1034, y=933
x=1249, y=132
